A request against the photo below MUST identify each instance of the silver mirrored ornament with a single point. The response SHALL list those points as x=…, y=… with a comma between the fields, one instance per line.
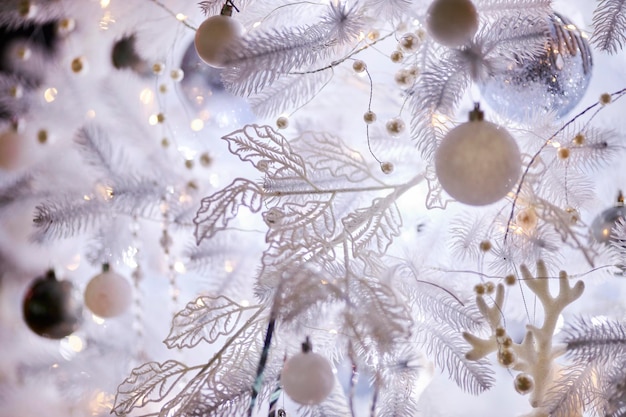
x=554, y=82
x=603, y=224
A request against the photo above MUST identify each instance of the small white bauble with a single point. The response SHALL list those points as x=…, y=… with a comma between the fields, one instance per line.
x=478, y=162
x=108, y=294
x=215, y=37
x=452, y=22
x=307, y=378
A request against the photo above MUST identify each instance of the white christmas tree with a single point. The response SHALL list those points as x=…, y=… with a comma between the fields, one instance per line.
x=321, y=208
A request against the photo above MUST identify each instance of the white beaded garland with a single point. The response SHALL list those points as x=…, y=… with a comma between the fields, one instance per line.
x=307, y=378
x=478, y=162
x=395, y=126
x=108, y=294
x=452, y=22
x=215, y=37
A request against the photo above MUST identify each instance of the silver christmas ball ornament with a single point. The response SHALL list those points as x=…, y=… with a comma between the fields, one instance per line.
x=603, y=225
x=553, y=82
x=215, y=37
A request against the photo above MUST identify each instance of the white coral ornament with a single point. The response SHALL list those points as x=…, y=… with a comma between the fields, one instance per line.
x=478, y=162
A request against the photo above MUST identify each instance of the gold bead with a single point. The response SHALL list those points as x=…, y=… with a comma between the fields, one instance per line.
x=163, y=88
x=158, y=68
x=563, y=153
x=160, y=117
x=510, y=279
x=479, y=289
x=579, y=139
x=386, y=167
x=396, y=56
x=395, y=126
x=177, y=75
x=489, y=287
x=605, y=99
x=165, y=142
x=78, y=65
x=524, y=383
x=507, y=358
x=527, y=218
x=66, y=26
x=205, y=159
x=409, y=42
x=373, y=35
x=23, y=53
x=359, y=66
x=16, y=91
x=500, y=331
x=189, y=163
x=485, y=246
x=26, y=9
x=369, y=117
x=42, y=136
x=282, y=122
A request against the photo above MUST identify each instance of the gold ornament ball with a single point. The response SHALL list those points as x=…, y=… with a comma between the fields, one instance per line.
x=214, y=38
x=452, y=22
x=282, y=122
x=386, y=167
x=369, y=117
x=359, y=66
x=396, y=56
x=409, y=42
x=478, y=163
x=79, y=65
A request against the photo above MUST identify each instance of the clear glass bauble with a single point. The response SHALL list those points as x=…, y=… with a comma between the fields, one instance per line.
x=201, y=81
x=603, y=224
x=554, y=82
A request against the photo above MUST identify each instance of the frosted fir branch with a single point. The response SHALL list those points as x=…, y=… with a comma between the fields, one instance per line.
x=344, y=22
x=495, y=9
x=389, y=9
x=258, y=60
x=217, y=210
x=465, y=237
x=205, y=319
x=214, y=7
x=599, y=148
x=440, y=86
x=573, y=391
x=94, y=145
x=588, y=342
x=515, y=38
x=289, y=92
x=137, y=196
x=16, y=189
x=67, y=218
x=11, y=17
x=609, y=21
x=447, y=348
x=396, y=381
x=380, y=318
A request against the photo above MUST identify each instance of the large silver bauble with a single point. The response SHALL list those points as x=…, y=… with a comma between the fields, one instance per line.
x=602, y=226
x=554, y=82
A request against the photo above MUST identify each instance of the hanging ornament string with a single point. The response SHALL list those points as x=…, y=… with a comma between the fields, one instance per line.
x=137, y=277
x=604, y=99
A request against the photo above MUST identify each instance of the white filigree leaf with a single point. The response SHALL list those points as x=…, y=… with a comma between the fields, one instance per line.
x=266, y=149
x=373, y=228
x=326, y=152
x=150, y=382
x=300, y=224
x=217, y=210
x=206, y=318
x=436, y=197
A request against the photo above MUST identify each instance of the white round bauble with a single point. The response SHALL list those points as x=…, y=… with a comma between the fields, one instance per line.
x=478, y=163
x=452, y=22
x=108, y=294
x=307, y=378
x=214, y=38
